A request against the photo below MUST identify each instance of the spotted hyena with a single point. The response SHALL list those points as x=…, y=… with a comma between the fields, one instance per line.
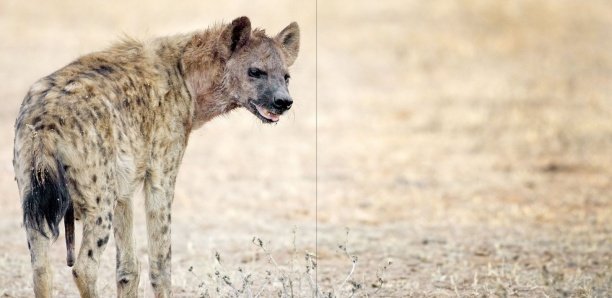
x=90, y=134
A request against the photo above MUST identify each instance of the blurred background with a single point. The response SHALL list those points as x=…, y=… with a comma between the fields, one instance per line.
x=467, y=141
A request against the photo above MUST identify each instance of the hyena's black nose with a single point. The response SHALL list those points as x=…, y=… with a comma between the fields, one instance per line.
x=282, y=103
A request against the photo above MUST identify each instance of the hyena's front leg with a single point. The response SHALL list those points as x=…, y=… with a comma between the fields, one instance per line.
x=128, y=268
x=159, y=191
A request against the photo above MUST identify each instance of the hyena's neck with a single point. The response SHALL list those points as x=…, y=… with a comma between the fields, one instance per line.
x=203, y=65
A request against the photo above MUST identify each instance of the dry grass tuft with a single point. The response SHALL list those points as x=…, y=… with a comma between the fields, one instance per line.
x=292, y=279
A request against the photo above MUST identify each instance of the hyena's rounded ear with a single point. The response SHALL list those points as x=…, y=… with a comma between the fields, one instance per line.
x=237, y=34
x=289, y=40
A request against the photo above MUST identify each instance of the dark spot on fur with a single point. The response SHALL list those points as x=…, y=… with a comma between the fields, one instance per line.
x=179, y=67
x=164, y=229
x=94, y=178
x=109, y=216
x=28, y=97
x=99, y=221
x=90, y=253
x=98, y=200
x=138, y=71
x=60, y=120
x=52, y=127
x=64, y=89
x=104, y=70
x=123, y=281
x=169, y=75
x=44, y=93
x=102, y=241
x=131, y=83
x=74, y=274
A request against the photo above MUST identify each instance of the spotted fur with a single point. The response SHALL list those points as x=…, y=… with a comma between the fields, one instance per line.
x=90, y=134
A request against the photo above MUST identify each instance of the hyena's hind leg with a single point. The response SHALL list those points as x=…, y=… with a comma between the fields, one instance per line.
x=128, y=268
x=44, y=203
x=39, y=253
x=97, y=216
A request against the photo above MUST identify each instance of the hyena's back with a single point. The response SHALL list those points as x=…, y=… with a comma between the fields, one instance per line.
x=77, y=129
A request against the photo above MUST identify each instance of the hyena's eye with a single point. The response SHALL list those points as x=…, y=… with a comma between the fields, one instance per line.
x=287, y=77
x=255, y=72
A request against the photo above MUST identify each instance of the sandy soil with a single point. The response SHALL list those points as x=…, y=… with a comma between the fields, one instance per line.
x=468, y=142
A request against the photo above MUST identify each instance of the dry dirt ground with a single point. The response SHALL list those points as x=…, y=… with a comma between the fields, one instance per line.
x=469, y=142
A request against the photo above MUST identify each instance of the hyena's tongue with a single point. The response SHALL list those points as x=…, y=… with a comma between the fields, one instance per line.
x=267, y=114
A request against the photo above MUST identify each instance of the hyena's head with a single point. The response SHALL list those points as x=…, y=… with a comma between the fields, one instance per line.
x=256, y=73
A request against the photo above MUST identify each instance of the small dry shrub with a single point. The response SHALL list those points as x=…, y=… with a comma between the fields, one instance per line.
x=295, y=279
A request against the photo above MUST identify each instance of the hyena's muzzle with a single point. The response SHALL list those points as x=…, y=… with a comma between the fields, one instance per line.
x=273, y=97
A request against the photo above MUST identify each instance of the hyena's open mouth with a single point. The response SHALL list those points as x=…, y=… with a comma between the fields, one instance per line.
x=265, y=114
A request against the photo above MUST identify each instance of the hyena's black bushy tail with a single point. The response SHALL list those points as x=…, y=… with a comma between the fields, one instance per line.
x=47, y=202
